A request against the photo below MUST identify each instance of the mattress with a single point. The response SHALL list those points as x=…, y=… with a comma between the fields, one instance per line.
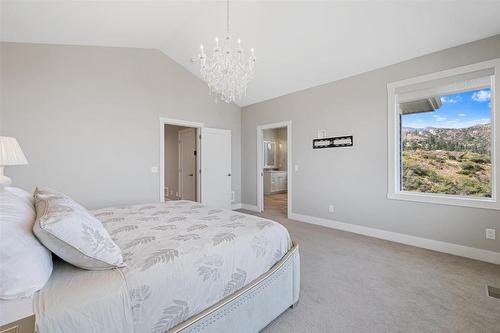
x=182, y=257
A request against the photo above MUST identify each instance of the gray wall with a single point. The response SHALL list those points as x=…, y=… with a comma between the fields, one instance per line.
x=87, y=118
x=354, y=179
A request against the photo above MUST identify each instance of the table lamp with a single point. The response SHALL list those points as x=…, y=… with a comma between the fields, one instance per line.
x=10, y=154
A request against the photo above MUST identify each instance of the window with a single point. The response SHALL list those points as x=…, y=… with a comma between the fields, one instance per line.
x=442, y=137
x=446, y=149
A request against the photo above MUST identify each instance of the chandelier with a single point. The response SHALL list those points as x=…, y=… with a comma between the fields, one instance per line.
x=227, y=71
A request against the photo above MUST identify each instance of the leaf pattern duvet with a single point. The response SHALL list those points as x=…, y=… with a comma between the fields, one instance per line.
x=181, y=256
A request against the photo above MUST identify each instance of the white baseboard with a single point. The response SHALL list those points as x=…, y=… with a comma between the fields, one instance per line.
x=236, y=206
x=430, y=244
x=252, y=208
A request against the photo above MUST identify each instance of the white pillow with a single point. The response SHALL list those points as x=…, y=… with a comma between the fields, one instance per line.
x=22, y=194
x=72, y=233
x=25, y=264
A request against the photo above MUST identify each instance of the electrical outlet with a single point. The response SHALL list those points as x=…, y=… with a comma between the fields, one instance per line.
x=331, y=208
x=491, y=234
x=154, y=169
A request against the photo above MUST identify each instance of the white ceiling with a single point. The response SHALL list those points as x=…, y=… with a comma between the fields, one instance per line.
x=299, y=44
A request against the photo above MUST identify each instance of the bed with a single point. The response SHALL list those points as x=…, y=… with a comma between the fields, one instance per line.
x=190, y=268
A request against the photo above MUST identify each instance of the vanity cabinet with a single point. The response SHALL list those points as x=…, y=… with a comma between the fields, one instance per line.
x=275, y=181
x=25, y=325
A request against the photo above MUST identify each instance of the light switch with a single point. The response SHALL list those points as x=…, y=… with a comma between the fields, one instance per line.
x=491, y=234
x=154, y=169
x=296, y=167
x=331, y=208
x=321, y=133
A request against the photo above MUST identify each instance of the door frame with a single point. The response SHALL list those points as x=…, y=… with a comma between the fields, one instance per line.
x=180, y=182
x=178, y=122
x=260, y=163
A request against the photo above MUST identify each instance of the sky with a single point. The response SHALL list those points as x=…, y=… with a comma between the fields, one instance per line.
x=458, y=111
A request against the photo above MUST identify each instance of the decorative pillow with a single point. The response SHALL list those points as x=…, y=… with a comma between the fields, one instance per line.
x=25, y=264
x=72, y=233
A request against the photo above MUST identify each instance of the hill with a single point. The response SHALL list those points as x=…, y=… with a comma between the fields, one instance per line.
x=447, y=160
x=476, y=139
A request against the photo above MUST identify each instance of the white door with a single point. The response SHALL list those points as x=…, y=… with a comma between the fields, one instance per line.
x=216, y=167
x=187, y=164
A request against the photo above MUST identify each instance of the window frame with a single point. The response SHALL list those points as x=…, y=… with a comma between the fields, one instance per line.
x=394, y=192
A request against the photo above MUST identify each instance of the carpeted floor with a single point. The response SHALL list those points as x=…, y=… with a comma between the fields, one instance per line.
x=353, y=283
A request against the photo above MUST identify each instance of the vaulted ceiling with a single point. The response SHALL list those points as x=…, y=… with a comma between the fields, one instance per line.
x=299, y=44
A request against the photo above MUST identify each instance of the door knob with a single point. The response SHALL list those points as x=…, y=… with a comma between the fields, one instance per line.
x=229, y=174
x=191, y=175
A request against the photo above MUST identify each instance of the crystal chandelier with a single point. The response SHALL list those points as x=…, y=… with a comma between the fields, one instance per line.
x=227, y=71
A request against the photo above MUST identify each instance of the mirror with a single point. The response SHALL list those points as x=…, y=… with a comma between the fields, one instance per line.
x=269, y=150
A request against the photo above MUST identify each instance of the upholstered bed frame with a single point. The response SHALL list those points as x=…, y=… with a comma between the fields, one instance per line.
x=255, y=306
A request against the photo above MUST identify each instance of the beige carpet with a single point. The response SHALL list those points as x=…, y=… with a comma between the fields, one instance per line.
x=353, y=283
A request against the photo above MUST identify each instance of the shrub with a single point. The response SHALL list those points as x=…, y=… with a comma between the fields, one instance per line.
x=470, y=168
x=417, y=170
x=472, y=186
x=434, y=172
x=481, y=159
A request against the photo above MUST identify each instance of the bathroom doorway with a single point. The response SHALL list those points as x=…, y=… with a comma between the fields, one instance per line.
x=274, y=150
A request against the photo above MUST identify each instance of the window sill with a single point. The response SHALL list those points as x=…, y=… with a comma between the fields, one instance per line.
x=484, y=203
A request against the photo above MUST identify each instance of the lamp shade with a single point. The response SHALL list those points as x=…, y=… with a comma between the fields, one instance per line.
x=10, y=152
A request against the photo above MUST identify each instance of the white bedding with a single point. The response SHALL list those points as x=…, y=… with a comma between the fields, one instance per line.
x=182, y=257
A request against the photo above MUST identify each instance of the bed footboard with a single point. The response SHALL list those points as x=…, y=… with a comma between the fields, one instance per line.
x=253, y=307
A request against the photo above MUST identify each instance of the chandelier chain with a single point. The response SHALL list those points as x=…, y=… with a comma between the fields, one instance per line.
x=227, y=17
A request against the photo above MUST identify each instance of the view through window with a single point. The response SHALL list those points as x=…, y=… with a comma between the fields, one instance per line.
x=446, y=144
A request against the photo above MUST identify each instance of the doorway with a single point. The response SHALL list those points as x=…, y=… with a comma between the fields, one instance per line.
x=181, y=176
x=274, y=169
x=188, y=148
